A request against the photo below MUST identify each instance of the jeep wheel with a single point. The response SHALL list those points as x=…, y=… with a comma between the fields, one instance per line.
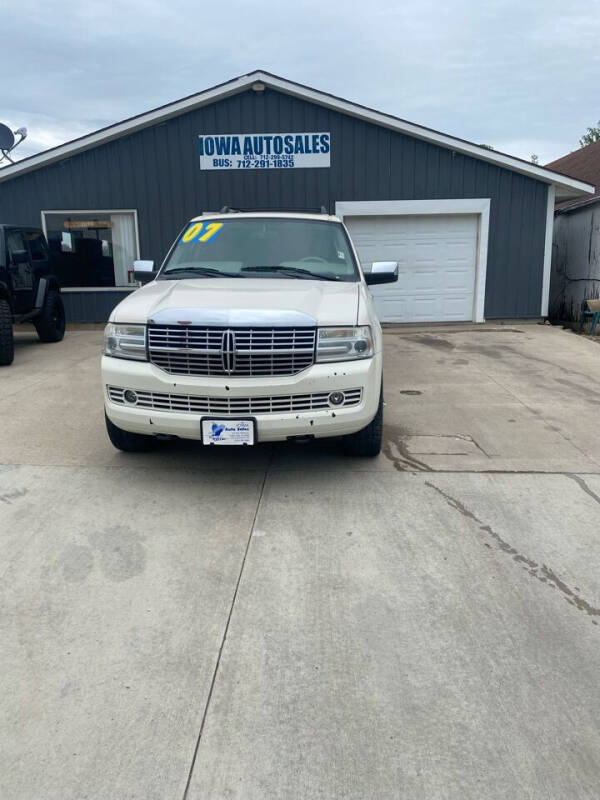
x=50, y=322
x=367, y=442
x=126, y=441
x=7, y=346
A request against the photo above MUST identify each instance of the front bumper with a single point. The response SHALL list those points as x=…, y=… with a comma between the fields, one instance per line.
x=271, y=426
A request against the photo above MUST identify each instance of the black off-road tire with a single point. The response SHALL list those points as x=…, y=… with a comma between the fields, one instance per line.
x=126, y=441
x=366, y=443
x=7, y=344
x=50, y=322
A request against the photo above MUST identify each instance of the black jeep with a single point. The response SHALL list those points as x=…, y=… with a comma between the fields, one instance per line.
x=29, y=291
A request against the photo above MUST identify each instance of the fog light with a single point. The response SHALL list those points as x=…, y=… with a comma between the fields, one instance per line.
x=130, y=396
x=336, y=398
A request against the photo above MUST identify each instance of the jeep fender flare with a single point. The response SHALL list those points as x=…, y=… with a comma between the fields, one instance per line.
x=45, y=284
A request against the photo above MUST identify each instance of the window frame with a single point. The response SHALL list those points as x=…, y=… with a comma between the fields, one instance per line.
x=88, y=212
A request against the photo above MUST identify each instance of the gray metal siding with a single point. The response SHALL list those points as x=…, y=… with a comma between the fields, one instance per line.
x=90, y=306
x=157, y=172
x=575, y=275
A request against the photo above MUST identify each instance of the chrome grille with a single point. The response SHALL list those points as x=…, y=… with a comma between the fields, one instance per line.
x=158, y=401
x=192, y=350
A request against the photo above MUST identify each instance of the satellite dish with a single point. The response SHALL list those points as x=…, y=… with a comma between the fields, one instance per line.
x=7, y=141
x=7, y=138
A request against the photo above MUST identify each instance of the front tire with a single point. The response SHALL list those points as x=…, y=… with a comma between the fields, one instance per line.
x=366, y=443
x=7, y=344
x=126, y=441
x=50, y=322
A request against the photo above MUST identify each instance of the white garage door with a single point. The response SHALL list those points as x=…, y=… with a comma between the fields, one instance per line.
x=436, y=256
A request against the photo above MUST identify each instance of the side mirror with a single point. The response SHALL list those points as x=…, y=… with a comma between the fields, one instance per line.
x=143, y=271
x=382, y=272
x=20, y=257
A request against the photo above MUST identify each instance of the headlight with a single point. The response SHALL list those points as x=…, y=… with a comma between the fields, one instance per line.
x=344, y=344
x=125, y=341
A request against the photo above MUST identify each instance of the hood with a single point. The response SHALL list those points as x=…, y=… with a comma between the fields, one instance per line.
x=227, y=301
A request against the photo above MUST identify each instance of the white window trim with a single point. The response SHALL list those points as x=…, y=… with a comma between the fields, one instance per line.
x=88, y=212
x=478, y=206
x=548, y=250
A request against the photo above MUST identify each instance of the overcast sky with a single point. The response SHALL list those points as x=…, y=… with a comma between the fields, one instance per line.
x=522, y=76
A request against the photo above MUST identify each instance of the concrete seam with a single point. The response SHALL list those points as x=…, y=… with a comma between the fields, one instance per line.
x=225, y=632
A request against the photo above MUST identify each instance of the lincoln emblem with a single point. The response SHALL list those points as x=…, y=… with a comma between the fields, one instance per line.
x=228, y=351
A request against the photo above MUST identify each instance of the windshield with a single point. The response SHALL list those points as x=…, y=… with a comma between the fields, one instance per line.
x=260, y=247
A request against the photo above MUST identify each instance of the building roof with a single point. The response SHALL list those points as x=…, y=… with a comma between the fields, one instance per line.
x=566, y=187
x=583, y=164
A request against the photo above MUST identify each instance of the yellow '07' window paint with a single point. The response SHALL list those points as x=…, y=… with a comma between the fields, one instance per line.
x=201, y=232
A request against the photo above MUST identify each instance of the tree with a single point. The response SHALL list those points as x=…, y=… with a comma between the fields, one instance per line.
x=487, y=146
x=590, y=136
x=534, y=159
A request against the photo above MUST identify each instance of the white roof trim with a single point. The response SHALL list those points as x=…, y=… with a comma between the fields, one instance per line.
x=568, y=187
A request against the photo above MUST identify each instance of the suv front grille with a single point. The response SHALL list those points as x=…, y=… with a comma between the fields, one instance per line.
x=192, y=350
x=158, y=401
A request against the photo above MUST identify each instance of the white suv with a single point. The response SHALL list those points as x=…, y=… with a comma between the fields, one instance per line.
x=258, y=327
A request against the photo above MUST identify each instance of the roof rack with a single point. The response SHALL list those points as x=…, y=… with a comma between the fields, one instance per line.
x=314, y=210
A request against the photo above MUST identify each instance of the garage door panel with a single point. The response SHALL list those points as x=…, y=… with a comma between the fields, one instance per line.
x=457, y=279
x=423, y=280
x=454, y=305
x=425, y=307
x=462, y=252
x=389, y=309
x=425, y=257
x=436, y=255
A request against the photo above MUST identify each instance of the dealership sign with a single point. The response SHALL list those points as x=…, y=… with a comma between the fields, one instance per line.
x=264, y=150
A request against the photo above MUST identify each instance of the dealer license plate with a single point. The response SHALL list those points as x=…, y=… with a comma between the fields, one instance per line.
x=227, y=431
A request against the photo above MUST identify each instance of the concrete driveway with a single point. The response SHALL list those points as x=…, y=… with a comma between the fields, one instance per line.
x=286, y=623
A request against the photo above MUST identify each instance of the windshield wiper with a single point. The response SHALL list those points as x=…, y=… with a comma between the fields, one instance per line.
x=203, y=271
x=305, y=273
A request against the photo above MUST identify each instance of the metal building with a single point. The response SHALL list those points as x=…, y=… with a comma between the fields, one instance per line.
x=575, y=274
x=470, y=227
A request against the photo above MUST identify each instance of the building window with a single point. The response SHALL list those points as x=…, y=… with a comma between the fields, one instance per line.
x=92, y=248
